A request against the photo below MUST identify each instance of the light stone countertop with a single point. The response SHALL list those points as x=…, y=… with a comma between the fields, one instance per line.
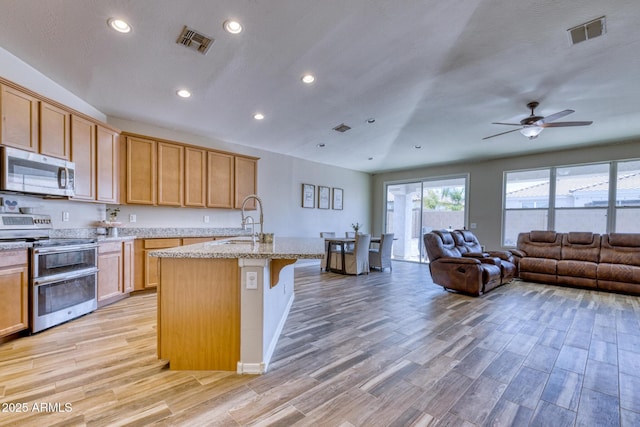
x=281, y=248
x=170, y=232
x=12, y=246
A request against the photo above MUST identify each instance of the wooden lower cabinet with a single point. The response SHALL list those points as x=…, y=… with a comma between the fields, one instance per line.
x=115, y=275
x=14, y=292
x=146, y=266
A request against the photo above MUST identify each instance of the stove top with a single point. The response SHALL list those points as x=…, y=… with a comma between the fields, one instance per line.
x=49, y=243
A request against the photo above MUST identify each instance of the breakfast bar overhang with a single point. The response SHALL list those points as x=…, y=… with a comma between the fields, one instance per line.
x=222, y=304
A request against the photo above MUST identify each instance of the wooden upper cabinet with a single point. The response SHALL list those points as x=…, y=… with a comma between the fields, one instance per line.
x=195, y=177
x=19, y=125
x=220, y=186
x=107, y=189
x=140, y=171
x=246, y=175
x=170, y=174
x=55, y=131
x=83, y=154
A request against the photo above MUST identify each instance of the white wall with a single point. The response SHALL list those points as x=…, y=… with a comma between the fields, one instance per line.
x=485, y=182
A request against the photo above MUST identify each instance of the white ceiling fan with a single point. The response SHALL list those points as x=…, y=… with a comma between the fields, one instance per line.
x=532, y=125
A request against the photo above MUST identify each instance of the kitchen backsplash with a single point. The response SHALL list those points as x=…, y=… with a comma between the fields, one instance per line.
x=69, y=214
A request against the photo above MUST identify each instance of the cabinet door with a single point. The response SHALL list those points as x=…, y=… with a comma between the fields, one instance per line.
x=19, y=126
x=127, y=266
x=107, y=165
x=14, y=292
x=151, y=263
x=109, y=274
x=246, y=174
x=195, y=181
x=141, y=171
x=83, y=154
x=220, y=167
x=55, y=131
x=170, y=174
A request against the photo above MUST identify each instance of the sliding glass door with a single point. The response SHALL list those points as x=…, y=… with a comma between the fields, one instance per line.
x=415, y=208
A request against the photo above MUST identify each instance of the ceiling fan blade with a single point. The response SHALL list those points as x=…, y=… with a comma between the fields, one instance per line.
x=508, y=124
x=501, y=133
x=564, y=124
x=555, y=116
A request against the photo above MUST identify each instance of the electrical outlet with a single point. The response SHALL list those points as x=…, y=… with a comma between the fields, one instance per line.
x=252, y=280
x=132, y=218
x=206, y=219
x=65, y=216
x=474, y=225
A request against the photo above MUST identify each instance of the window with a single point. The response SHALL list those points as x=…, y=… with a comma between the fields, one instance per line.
x=628, y=197
x=582, y=198
x=526, y=203
x=572, y=198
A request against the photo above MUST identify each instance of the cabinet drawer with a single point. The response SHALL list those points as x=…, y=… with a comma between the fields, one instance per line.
x=17, y=257
x=161, y=243
x=106, y=247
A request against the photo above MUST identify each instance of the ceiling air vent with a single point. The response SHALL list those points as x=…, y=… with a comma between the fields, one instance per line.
x=587, y=31
x=195, y=40
x=341, y=128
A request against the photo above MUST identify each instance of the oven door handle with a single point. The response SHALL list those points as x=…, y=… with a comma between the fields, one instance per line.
x=37, y=281
x=59, y=249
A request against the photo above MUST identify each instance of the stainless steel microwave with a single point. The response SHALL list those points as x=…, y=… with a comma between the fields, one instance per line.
x=26, y=172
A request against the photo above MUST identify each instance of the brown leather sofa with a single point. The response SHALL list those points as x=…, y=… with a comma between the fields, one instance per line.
x=472, y=274
x=609, y=262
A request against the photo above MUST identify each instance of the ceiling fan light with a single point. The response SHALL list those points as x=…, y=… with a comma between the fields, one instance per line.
x=531, y=132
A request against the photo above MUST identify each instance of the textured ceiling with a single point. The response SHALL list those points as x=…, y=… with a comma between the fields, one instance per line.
x=432, y=73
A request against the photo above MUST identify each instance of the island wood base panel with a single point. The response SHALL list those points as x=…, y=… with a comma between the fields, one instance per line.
x=199, y=308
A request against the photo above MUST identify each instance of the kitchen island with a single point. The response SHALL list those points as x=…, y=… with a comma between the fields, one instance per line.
x=223, y=304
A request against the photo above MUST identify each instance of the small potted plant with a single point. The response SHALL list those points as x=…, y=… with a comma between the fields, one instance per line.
x=357, y=226
x=111, y=223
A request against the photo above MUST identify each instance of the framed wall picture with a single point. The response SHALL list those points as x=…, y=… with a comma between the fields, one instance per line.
x=308, y=196
x=324, y=195
x=337, y=198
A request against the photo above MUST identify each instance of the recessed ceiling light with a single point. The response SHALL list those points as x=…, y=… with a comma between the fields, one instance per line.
x=119, y=25
x=308, y=78
x=258, y=116
x=183, y=93
x=417, y=147
x=371, y=120
x=321, y=145
x=370, y=158
x=232, y=26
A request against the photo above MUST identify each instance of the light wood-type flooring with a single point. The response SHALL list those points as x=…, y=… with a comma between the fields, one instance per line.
x=384, y=349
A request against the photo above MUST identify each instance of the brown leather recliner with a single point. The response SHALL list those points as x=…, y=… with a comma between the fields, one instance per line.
x=469, y=246
x=619, y=267
x=579, y=258
x=542, y=250
x=451, y=270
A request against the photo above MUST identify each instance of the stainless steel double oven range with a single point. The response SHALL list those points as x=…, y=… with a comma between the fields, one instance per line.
x=62, y=272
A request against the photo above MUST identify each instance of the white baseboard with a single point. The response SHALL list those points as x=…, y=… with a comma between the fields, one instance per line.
x=251, y=368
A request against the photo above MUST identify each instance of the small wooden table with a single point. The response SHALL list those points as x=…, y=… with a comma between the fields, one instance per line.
x=341, y=242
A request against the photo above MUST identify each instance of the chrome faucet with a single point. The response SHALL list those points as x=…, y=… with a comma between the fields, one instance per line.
x=245, y=217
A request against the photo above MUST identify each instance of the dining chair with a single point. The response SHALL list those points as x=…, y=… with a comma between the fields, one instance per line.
x=324, y=235
x=380, y=257
x=349, y=235
x=356, y=262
